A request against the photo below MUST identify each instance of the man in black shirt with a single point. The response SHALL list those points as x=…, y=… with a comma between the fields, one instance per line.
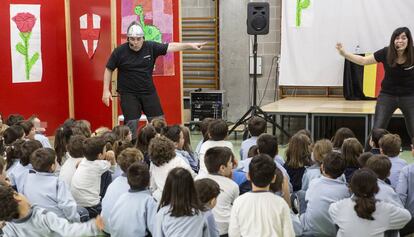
x=135, y=61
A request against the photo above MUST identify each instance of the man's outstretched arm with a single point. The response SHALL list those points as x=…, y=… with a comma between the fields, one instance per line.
x=174, y=47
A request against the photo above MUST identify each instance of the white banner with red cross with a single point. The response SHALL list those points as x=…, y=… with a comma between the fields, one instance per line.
x=90, y=25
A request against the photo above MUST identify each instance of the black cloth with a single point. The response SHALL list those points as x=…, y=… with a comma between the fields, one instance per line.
x=353, y=82
x=295, y=175
x=135, y=68
x=349, y=171
x=133, y=104
x=399, y=80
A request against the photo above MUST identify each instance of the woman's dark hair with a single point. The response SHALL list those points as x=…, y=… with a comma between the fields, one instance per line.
x=144, y=137
x=340, y=135
x=179, y=192
x=62, y=136
x=409, y=50
x=8, y=205
x=364, y=186
x=12, y=133
x=28, y=148
x=14, y=152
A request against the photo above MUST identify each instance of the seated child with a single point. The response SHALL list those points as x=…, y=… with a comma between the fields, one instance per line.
x=362, y=214
x=204, y=132
x=163, y=160
x=340, y=135
x=23, y=167
x=256, y=127
x=320, y=150
x=260, y=212
x=135, y=206
x=218, y=161
x=351, y=150
x=381, y=166
x=86, y=182
x=145, y=135
x=322, y=192
x=74, y=157
x=180, y=212
x=390, y=145
x=217, y=133
x=363, y=158
x=46, y=190
x=207, y=191
x=120, y=185
x=23, y=219
x=175, y=134
x=376, y=135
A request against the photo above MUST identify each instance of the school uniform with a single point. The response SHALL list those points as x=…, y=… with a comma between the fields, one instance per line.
x=396, y=165
x=191, y=159
x=43, y=140
x=211, y=223
x=11, y=172
x=68, y=169
x=117, y=188
x=133, y=214
x=52, y=194
x=245, y=147
x=406, y=193
x=183, y=226
x=312, y=172
x=229, y=192
x=20, y=173
x=387, y=194
x=386, y=217
x=322, y=192
x=260, y=214
x=159, y=175
x=207, y=145
x=40, y=222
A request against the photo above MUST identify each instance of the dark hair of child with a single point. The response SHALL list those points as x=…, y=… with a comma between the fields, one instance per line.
x=138, y=175
x=13, y=152
x=380, y=164
x=277, y=185
x=351, y=150
x=267, y=144
x=340, y=135
x=215, y=157
x=256, y=126
x=305, y=132
x=42, y=159
x=26, y=125
x=82, y=127
x=334, y=165
x=298, y=152
x=121, y=145
x=121, y=132
x=218, y=130
x=364, y=187
x=205, y=123
x=75, y=146
x=362, y=159
x=187, y=140
x=62, y=136
x=144, y=137
x=8, y=205
x=92, y=147
x=390, y=145
x=172, y=133
x=207, y=189
x=377, y=134
x=253, y=151
x=262, y=170
x=28, y=147
x=129, y=156
x=179, y=192
x=161, y=150
x=13, y=119
x=159, y=124
x=12, y=133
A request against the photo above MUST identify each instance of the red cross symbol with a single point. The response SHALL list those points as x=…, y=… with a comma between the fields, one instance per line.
x=90, y=34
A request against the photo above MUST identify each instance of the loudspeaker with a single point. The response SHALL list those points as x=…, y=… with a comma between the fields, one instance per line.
x=258, y=18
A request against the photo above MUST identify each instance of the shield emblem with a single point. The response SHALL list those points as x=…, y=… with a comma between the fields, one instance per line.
x=90, y=26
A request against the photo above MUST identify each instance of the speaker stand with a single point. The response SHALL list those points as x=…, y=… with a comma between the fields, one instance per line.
x=254, y=109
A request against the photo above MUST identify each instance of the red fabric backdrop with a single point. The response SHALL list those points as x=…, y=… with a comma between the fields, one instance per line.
x=49, y=98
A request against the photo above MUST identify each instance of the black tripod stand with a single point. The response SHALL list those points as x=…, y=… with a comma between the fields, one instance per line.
x=255, y=110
